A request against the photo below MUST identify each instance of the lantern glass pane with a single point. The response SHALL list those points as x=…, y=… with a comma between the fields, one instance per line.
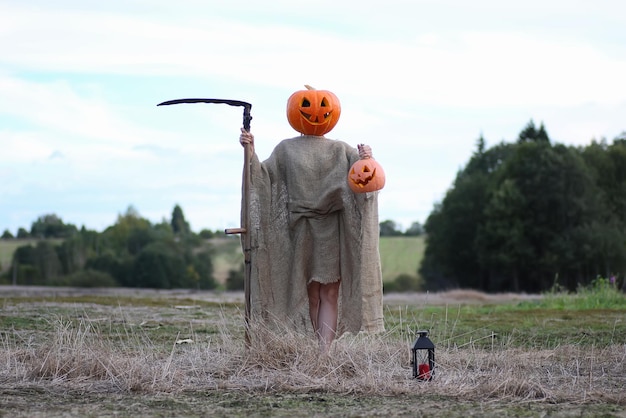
x=422, y=367
x=421, y=356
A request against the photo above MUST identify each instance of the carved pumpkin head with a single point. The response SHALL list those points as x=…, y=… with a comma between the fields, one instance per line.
x=366, y=175
x=313, y=112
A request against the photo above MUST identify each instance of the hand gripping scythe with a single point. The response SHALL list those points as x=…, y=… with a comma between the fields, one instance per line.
x=244, y=230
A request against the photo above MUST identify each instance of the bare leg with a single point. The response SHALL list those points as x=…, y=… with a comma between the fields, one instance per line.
x=328, y=313
x=313, y=290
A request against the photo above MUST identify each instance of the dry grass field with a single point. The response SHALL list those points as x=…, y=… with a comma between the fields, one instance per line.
x=135, y=353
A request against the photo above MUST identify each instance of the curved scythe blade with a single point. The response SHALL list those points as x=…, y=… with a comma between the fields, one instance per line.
x=246, y=106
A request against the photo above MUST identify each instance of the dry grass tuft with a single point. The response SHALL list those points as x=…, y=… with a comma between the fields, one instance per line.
x=565, y=374
x=81, y=354
x=292, y=362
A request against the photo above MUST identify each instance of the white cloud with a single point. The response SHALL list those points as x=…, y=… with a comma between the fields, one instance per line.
x=418, y=80
x=467, y=68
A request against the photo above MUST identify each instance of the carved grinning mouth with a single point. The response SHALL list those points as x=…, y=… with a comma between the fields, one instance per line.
x=360, y=180
x=311, y=118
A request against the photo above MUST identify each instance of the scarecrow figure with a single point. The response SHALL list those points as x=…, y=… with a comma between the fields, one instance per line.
x=314, y=242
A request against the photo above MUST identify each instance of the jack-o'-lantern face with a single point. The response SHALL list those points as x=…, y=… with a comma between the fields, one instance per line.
x=366, y=175
x=313, y=112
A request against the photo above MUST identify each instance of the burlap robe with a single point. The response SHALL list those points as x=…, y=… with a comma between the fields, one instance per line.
x=306, y=177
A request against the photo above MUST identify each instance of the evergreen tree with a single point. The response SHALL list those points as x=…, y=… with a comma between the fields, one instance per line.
x=179, y=225
x=532, y=134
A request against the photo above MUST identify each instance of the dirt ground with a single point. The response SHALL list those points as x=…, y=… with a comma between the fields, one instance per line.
x=58, y=402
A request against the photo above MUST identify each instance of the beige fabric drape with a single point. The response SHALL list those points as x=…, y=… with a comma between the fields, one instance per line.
x=306, y=176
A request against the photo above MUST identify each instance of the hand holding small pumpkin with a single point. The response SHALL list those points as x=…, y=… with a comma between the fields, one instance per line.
x=365, y=151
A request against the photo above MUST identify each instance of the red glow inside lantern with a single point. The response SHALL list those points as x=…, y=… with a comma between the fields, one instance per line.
x=423, y=372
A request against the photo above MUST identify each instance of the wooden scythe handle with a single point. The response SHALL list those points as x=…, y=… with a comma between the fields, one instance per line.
x=247, y=239
x=244, y=230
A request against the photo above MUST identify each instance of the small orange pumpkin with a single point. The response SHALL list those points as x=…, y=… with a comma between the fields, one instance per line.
x=366, y=175
x=313, y=112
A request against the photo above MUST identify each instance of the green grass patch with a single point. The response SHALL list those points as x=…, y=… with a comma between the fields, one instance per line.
x=13, y=322
x=594, y=316
x=599, y=294
x=501, y=326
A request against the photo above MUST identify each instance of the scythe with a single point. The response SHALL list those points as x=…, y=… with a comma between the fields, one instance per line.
x=244, y=229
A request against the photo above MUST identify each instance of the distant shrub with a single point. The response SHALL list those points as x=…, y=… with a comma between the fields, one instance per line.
x=235, y=279
x=28, y=275
x=206, y=234
x=403, y=283
x=159, y=265
x=120, y=268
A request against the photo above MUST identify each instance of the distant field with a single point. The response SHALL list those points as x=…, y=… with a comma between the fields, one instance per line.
x=227, y=255
x=399, y=255
x=7, y=248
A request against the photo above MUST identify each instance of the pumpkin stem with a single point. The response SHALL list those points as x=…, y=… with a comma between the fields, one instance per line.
x=309, y=87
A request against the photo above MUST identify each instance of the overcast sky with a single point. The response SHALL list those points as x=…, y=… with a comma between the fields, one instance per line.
x=419, y=81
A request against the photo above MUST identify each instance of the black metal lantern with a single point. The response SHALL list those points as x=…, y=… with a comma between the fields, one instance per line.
x=423, y=359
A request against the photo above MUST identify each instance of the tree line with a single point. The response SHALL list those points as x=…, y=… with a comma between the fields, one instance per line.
x=133, y=252
x=51, y=226
x=530, y=215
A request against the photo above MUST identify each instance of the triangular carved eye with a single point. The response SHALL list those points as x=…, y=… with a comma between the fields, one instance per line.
x=324, y=102
x=306, y=103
